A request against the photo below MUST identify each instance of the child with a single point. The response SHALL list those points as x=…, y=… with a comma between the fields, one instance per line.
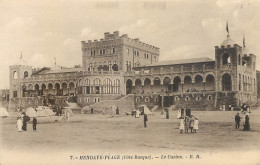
x=181, y=125
x=187, y=124
x=34, y=123
x=19, y=124
x=196, y=124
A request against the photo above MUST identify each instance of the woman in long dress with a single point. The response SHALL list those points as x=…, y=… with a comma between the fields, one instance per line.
x=181, y=125
x=19, y=124
x=196, y=125
x=179, y=113
x=247, y=125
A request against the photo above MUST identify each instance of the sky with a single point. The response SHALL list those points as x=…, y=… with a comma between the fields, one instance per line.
x=44, y=30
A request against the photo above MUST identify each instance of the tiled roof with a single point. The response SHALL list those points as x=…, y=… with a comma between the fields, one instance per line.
x=183, y=61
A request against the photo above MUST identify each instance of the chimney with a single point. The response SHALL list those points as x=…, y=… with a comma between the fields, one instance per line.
x=116, y=34
x=106, y=35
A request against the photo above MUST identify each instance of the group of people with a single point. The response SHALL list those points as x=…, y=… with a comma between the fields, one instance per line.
x=244, y=118
x=22, y=122
x=187, y=121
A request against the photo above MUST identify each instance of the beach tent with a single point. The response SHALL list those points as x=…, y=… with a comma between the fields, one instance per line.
x=30, y=112
x=145, y=109
x=85, y=109
x=68, y=110
x=154, y=108
x=44, y=111
x=3, y=112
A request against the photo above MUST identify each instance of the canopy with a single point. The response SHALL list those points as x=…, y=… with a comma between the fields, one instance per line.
x=73, y=106
x=68, y=110
x=145, y=109
x=44, y=111
x=30, y=112
x=3, y=112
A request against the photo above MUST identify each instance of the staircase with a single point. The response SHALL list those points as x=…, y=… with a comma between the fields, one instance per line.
x=124, y=104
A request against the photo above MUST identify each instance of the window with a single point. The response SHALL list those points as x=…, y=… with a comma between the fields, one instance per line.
x=154, y=58
x=177, y=98
x=116, y=88
x=100, y=51
x=198, y=98
x=187, y=98
x=137, y=100
x=90, y=67
x=15, y=75
x=226, y=59
x=104, y=51
x=109, y=65
x=15, y=93
x=96, y=100
x=25, y=74
x=147, y=99
x=107, y=86
x=239, y=59
x=156, y=99
x=137, y=53
x=87, y=83
x=114, y=50
x=87, y=100
x=97, y=84
x=209, y=97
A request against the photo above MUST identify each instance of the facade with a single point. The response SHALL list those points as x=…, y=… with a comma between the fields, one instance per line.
x=123, y=71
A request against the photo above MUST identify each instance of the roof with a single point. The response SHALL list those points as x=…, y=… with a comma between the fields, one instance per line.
x=227, y=42
x=183, y=61
x=65, y=70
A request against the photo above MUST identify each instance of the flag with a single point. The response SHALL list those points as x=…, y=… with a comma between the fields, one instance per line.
x=244, y=41
x=227, y=28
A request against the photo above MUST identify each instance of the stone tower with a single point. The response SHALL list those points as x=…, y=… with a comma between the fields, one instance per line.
x=17, y=73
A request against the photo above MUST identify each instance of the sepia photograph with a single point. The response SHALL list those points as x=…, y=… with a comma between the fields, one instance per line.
x=129, y=82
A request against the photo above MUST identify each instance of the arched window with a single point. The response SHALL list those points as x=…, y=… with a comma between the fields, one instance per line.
x=87, y=83
x=107, y=86
x=90, y=67
x=129, y=86
x=176, y=84
x=15, y=75
x=117, y=86
x=80, y=86
x=25, y=74
x=225, y=59
x=147, y=82
x=138, y=82
x=156, y=82
x=226, y=82
x=97, y=84
x=210, y=82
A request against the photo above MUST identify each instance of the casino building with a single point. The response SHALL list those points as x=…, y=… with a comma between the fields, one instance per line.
x=125, y=72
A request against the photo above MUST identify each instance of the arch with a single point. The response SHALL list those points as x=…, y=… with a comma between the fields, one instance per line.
x=36, y=87
x=58, y=90
x=64, y=88
x=147, y=81
x=87, y=84
x=50, y=86
x=226, y=82
x=225, y=59
x=97, y=85
x=43, y=86
x=210, y=82
x=187, y=79
x=15, y=75
x=157, y=81
x=116, y=88
x=166, y=80
x=138, y=82
x=71, y=85
x=107, y=86
x=80, y=82
x=176, y=83
x=198, y=79
x=25, y=74
x=129, y=86
x=30, y=87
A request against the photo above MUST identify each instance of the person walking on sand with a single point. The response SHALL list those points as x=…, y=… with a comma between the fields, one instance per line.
x=237, y=120
x=145, y=119
x=247, y=124
x=92, y=110
x=117, y=111
x=181, y=125
x=19, y=124
x=196, y=124
x=34, y=123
